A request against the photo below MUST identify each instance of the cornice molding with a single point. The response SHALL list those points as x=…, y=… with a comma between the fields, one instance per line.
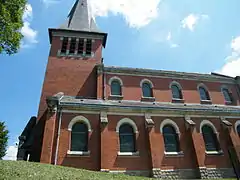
x=167, y=74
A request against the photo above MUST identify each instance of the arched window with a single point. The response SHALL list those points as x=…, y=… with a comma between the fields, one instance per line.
x=176, y=92
x=171, y=140
x=226, y=94
x=238, y=130
x=79, y=137
x=210, y=138
x=116, y=88
x=147, y=90
x=204, y=95
x=127, y=138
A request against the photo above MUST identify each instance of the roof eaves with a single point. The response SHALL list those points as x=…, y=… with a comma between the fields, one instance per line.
x=154, y=72
x=51, y=30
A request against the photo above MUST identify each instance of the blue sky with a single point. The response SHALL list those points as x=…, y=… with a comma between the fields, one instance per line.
x=193, y=36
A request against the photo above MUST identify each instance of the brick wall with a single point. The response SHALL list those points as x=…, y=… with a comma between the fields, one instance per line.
x=110, y=159
x=175, y=162
x=115, y=162
x=91, y=162
x=72, y=76
x=131, y=89
x=212, y=161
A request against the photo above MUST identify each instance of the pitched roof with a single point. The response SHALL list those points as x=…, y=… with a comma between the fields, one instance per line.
x=80, y=18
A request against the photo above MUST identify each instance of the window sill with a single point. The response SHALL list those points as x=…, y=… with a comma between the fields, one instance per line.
x=75, y=55
x=79, y=153
x=228, y=102
x=116, y=97
x=174, y=154
x=206, y=102
x=214, y=152
x=150, y=99
x=175, y=100
x=128, y=153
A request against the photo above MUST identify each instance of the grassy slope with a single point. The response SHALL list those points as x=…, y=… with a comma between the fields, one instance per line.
x=11, y=170
x=20, y=170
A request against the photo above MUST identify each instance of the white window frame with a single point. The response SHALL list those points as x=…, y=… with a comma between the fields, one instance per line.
x=70, y=125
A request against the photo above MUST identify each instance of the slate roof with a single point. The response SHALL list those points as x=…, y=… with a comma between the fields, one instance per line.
x=72, y=101
x=80, y=18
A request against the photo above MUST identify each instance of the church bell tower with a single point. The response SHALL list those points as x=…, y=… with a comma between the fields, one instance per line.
x=76, y=48
x=75, y=55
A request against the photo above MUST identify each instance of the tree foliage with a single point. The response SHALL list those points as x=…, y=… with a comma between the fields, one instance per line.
x=11, y=12
x=3, y=139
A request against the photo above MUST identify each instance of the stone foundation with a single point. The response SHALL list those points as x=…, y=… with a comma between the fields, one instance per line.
x=215, y=173
x=133, y=173
x=203, y=173
x=175, y=174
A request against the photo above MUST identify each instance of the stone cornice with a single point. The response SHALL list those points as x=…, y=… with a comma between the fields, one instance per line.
x=167, y=74
x=153, y=108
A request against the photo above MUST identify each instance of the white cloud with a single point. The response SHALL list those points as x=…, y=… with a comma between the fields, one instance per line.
x=232, y=66
x=235, y=45
x=169, y=36
x=169, y=40
x=137, y=13
x=191, y=21
x=28, y=12
x=48, y=3
x=11, y=153
x=30, y=35
x=174, y=45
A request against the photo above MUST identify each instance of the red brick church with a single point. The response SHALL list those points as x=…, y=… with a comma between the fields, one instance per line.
x=156, y=123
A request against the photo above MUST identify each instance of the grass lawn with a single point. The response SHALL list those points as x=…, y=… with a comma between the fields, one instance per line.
x=20, y=170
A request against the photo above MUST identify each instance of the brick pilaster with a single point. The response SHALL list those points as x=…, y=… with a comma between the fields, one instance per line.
x=104, y=142
x=197, y=149
x=100, y=84
x=48, y=138
x=153, y=151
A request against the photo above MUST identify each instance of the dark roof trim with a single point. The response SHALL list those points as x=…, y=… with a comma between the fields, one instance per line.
x=51, y=30
x=221, y=75
x=167, y=74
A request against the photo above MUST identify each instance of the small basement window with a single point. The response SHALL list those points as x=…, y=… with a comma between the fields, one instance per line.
x=64, y=45
x=80, y=46
x=72, y=46
x=89, y=47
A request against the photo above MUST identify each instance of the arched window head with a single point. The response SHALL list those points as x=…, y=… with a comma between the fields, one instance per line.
x=237, y=127
x=171, y=140
x=116, y=88
x=226, y=94
x=79, y=137
x=210, y=138
x=204, y=95
x=147, y=89
x=127, y=138
x=176, y=92
x=238, y=130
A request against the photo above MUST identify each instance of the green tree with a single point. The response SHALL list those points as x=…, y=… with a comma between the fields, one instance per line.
x=11, y=12
x=3, y=139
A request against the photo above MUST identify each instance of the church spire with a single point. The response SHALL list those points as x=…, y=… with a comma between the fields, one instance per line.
x=80, y=18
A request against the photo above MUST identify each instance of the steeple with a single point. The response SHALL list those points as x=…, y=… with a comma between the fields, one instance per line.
x=80, y=18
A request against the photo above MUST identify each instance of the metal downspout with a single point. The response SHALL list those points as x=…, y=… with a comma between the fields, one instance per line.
x=104, y=84
x=58, y=136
